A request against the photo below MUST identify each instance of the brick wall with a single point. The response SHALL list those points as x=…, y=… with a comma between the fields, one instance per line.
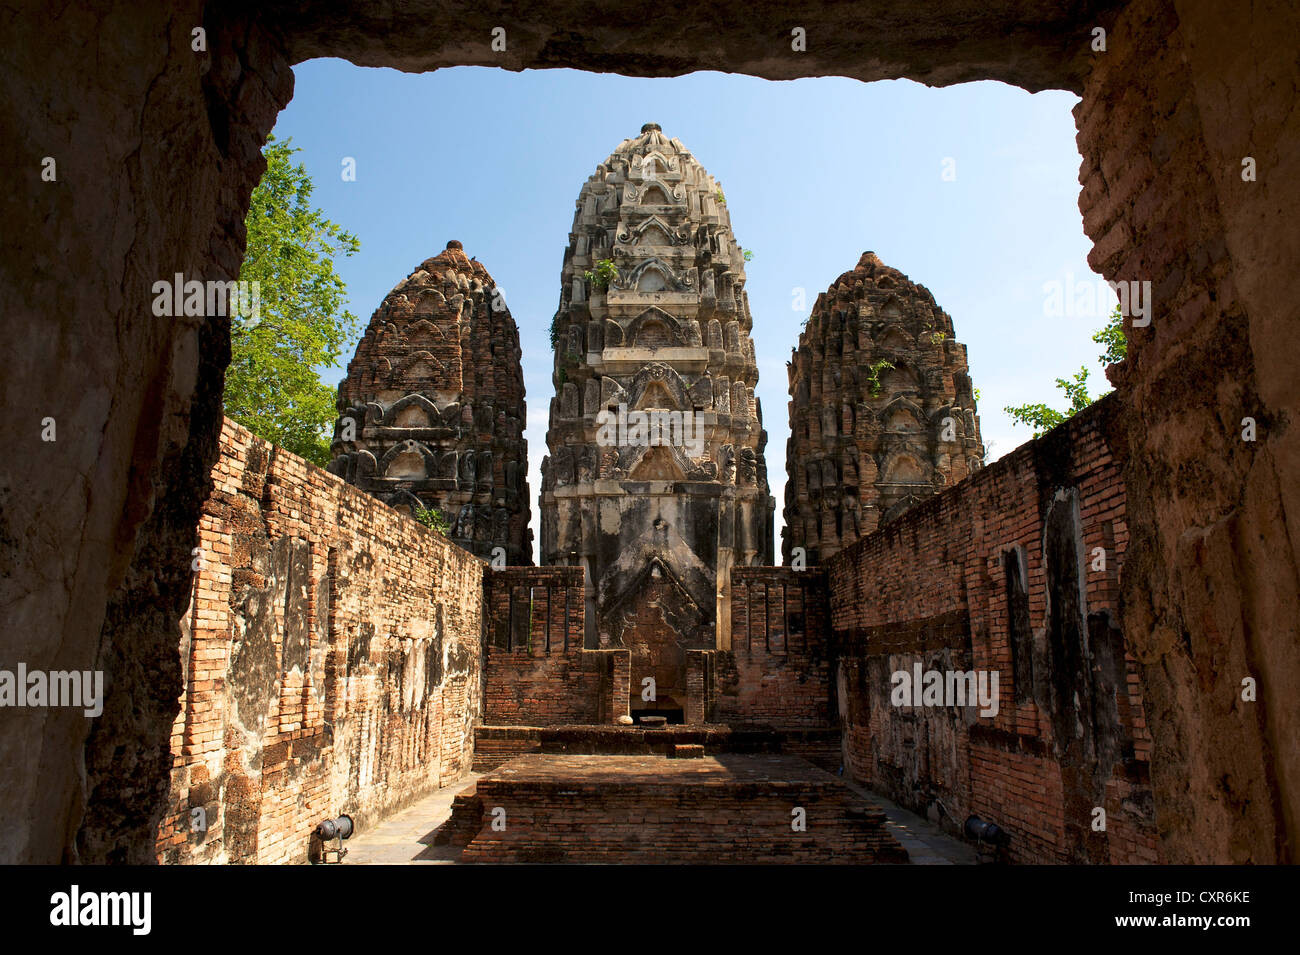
x=1187, y=96
x=536, y=672
x=332, y=661
x=961, y=583
x=777, y=670
x=494, y=745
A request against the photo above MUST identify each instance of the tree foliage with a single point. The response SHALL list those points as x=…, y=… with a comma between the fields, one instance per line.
x=272, y=387
x=432, y=517
x=1043, y=418
x=1112, y=338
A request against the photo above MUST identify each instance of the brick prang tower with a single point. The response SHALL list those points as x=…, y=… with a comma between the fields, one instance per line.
x=882, y=410
x=431, y=413
x=653, y=316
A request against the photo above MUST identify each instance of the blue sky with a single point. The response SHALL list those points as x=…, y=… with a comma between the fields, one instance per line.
x=816, y=171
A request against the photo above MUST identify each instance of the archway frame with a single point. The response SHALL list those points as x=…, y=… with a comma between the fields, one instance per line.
x=155, y=180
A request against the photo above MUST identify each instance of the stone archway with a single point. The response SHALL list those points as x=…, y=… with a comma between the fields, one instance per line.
x=154, y=179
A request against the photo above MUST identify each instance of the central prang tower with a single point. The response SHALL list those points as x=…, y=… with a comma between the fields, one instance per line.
x=654, y=324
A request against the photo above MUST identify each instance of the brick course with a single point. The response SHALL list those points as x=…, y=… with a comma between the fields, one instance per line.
x=778, y=668
x=536, y=671
x=693, y=810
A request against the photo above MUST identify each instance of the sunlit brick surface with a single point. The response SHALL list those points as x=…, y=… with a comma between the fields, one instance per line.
x=716, y=809
x=932, y=588
x=333, y=661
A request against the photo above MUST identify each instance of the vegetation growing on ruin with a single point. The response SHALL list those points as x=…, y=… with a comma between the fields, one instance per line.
x=1112, y=336
x=873, y=379
x=604, y=273
x=1043, y=418
x=434, y=518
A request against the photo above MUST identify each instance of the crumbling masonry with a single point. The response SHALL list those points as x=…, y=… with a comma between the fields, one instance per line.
x=882, y=410
x=654, y=322
x=657, y=572
x=431, y=413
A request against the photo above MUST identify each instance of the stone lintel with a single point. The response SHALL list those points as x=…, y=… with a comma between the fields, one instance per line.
x=622, y=360
x=629, y=303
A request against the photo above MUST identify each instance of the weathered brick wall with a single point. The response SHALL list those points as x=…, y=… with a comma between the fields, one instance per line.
x=778, y=669
x=701, y=686
x=961, y=582
x=1190, y=178
x=332, y=661
x=536, y=672
x=494, y=745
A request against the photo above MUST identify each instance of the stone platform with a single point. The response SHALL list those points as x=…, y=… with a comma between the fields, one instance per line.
x=728, y=808
x=495, y=745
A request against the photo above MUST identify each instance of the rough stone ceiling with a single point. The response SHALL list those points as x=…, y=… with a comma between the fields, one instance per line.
x=937, y=43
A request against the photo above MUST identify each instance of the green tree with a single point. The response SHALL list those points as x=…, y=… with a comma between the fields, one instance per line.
x=1042, y=418
x=272, y=387
x=1112, y=338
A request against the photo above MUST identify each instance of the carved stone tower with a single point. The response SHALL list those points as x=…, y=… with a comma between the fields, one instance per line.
x=882, y=412
x=654, y=325
x=432, y=409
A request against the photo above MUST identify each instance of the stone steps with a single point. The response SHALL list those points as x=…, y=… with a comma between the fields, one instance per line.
x=464, y=822
x=731, y=808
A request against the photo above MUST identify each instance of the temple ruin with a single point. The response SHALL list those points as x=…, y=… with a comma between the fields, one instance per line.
x=655, y=484
x=656, y=627
x=101, y=526
x=431, y=413
x=882, y=410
